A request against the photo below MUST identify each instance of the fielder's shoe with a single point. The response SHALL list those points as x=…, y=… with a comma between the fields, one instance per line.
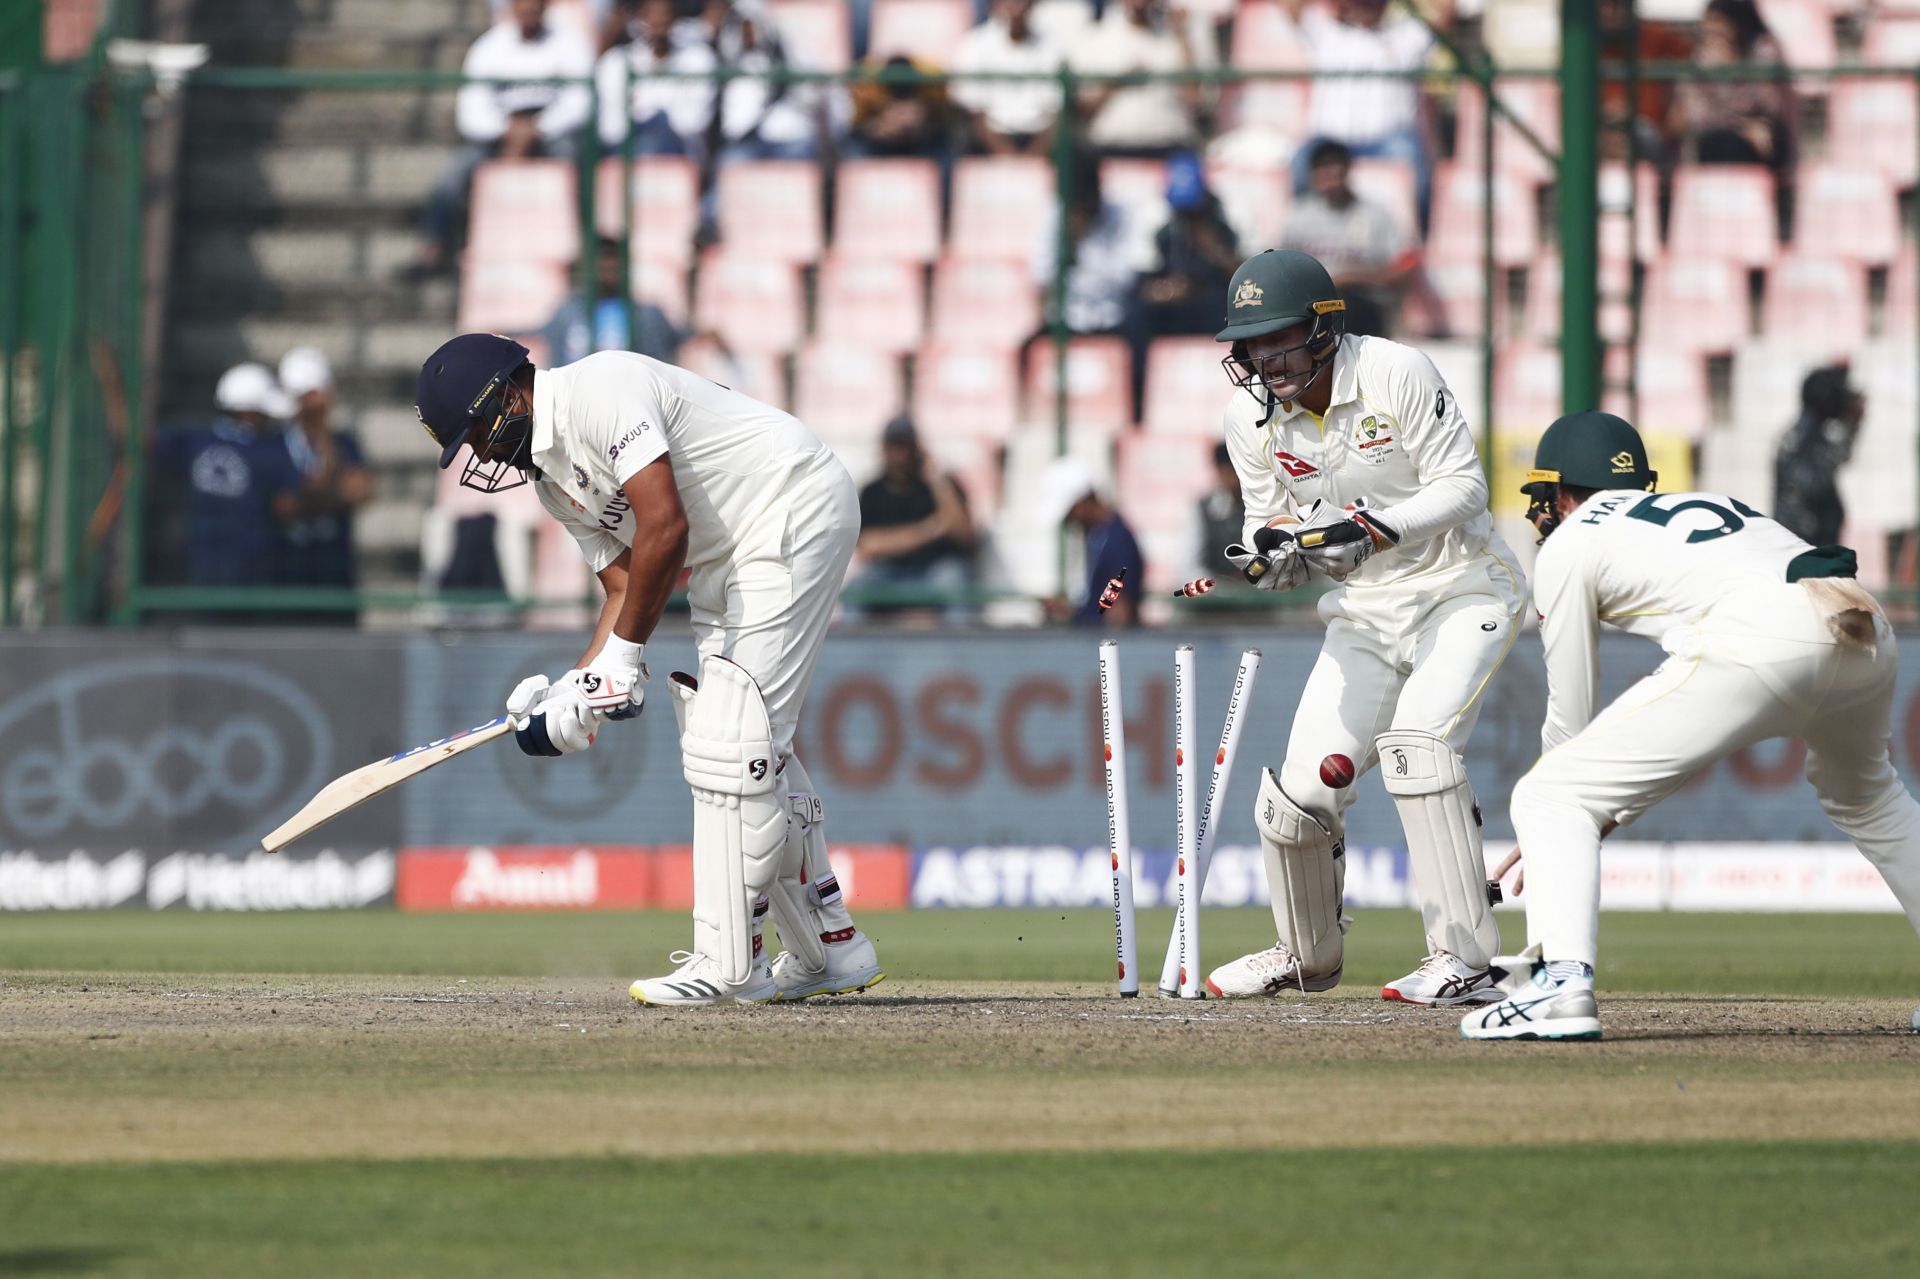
x=697, y=983
x=1266, y=972
x=1537, y=1003
x=852, y=966
x=1444, y=979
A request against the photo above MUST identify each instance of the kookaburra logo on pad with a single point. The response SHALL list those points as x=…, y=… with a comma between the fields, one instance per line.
x=1248, y=294
x=1622, y=463
x=757, y=769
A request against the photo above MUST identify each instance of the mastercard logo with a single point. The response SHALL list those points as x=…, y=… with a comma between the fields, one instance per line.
x=1109, y=752
x=1179, y=757
x=1219, y=758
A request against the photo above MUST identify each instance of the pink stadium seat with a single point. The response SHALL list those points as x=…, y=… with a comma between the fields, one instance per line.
x=886, y=208
x=1098, y=383
x=1804, y=29
x=817, y=33
x=966, y=391
x=771, y=208
x=1902, y=316
x=1390, y=183
x=750, y=371
x=1544, y=284
x=1256, y=200
x=1615, y=230
x=1818, y=302
x=1461, y=283
x=1853, y=213
x=1724, y=211
x=754, y=303
x=846, y=393
x=504, y=295
x=1526, y=386
x=1187, y=391
x=1159, y=482
x=1000, y=204
x=1672, y=390
x=666, y=205
x=1536, y=103
x=1458, y=213
x=524, y=210
x=1266, y=39
x=1891, y=41
x=1874, y=124
x=926, y=29
x=871, y=302
x=662, y=283
x=1694, y=304
x=984, y=302
x=974, y=464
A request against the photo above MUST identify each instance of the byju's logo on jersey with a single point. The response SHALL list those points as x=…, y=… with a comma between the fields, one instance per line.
x=633, y=433
x=1293, y=466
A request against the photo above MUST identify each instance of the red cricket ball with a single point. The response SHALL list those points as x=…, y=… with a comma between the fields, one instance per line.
x=1337, y=771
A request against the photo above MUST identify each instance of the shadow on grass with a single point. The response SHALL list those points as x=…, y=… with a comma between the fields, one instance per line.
x=55, y=1261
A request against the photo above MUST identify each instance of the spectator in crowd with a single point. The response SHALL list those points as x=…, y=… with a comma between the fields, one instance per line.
x=1147, y=119
x=1007, y=117
x=1197, y=252
x=1653, y=117
x=1069, y=496
x=895, y=115
x=509, y=121
x=228, y=472
x=1372, y=116
x=915, y=528
x=1806, y=469
x=1740, y=121
x=1372, y=258
x=761, y=116
x=575, y=331
x=321, y=479
x=646, y=115
x=1220, y=518
x=1100, y=269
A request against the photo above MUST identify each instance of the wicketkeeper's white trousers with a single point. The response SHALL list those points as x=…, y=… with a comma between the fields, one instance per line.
x=1758, y=667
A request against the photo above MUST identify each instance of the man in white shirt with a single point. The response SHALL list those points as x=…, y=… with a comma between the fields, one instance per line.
x=652, y=468
x=1766, y=637
x=1356, y=465
x=1138, y=120
x=507, y=120
x=657, y=116
x=1008, y=117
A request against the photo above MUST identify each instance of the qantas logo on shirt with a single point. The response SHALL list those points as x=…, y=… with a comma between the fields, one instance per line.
x=1293, y=466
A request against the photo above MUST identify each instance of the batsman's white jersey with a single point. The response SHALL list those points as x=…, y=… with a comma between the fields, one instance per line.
x=1414, y=636
x=1750, y=656
x=772, y=515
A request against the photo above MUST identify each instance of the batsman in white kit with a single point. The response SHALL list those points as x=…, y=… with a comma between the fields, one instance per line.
x=1765, y=635
x=1356, y=465
x=653, y=468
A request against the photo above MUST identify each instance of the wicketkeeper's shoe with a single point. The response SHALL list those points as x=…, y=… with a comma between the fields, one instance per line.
x=1266, y=972
x=1444, y=979
x=1537, y=1004
x=852, y=966
x=697, y=983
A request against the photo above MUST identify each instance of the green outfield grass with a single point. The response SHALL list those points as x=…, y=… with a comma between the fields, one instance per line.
x=1838, y=955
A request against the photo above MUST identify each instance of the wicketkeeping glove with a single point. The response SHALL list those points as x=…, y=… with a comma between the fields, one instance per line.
x=1272, y=563
x=1337, y=542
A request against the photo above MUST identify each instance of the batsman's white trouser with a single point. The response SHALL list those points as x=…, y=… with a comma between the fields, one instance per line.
x=1764, y=665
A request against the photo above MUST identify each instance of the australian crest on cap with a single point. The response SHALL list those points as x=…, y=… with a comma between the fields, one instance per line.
x=1248, y=294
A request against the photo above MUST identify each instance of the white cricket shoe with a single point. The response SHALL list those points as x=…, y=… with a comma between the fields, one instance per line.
x=852, y=966
x=697, y=983
x=1444, y=979
x=1266, y=972
x=1536, y=1004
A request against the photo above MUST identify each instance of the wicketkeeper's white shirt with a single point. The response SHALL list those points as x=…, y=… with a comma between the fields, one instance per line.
x=598, y=421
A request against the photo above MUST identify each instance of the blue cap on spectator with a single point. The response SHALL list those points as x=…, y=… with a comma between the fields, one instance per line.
x=458, y=384
x=1186, y=184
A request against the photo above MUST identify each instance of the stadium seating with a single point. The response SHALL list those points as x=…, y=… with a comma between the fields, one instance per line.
x=750, y=371
x=1901, y=318
x=1000, y=205
x=1159, y=481
x=1391, y=184
x=1614, y=196
x=1875, y=124
x=966, y=391
x=1187, y=391
x=1695, y=304
x=509, y=295
x=1890, y=40
x=1804, y=29
x=754, y=303
x=984, y=302
x=524, y=210
x=1526, y=386
x=1266, y=39
x=1140, y=188
x=1671, y=387
x=1816, y=303
x=1544, y=282
x=818, y=34
x=1724, y=211
x=887, y=208
x=1851, y=213
x=924, y=29
x=771, y=209
x=1461, y=284
x=845, y=393
x=1458, y=215
x=662, y=283
x=1536, y=103
x=871, y=302
x=1098, y=383
x=666, y=205
x=1028, y=552
x=1255, y=199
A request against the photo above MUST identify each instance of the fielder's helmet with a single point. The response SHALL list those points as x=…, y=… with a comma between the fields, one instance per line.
x=1276, y=290
x=1589, y=450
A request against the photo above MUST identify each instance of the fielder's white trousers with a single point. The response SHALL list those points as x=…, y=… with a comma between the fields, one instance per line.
x=767, y=607
x=1394, y=658
x=1753, y=668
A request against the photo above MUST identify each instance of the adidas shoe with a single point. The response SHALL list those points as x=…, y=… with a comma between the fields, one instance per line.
x=1444, y=979
x=1536, y=1003
x=1266, y=972
x=697, y=983
x=852, y=966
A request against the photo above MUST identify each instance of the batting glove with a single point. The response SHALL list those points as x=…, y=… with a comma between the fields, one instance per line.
x=550, y=720
x=611, y=682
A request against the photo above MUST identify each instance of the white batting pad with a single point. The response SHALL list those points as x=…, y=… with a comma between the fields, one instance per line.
x=739, y=811
x=1428, y=783
x=1306, y=877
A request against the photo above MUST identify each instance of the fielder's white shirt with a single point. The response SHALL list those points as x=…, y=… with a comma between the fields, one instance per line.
x=598, y=421
x=1649, y=564
x=1393, y=434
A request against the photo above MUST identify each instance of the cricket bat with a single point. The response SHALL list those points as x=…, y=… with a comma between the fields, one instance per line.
x=362, y=784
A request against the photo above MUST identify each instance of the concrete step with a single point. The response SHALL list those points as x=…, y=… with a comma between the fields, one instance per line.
x=217, y=117
x=392, y=437
x=332, y=48
x=385, y=347
x=300, y=258
x=361, y=174
x=215, y=19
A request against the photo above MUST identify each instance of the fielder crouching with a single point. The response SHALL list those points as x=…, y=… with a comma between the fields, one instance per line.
x=652, y=468
x=1357, y=466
